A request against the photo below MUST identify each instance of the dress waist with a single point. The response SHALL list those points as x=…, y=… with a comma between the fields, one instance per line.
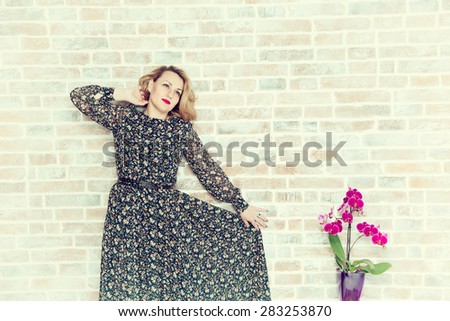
x=143, y=184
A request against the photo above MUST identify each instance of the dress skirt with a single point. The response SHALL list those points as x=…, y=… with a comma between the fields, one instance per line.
x=164, y=245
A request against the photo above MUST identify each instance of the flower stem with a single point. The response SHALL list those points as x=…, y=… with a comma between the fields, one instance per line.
x=356, y=241
x=349, y=238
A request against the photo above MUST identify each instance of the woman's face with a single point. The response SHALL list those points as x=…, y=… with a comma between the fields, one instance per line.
x=165, y=93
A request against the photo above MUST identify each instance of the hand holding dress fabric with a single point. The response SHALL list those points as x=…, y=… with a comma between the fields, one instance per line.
x=252, y=215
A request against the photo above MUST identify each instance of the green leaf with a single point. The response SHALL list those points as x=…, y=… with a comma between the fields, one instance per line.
x=341, y=263
x=364, y=263
x=367, y=266
x=336, y=246
x=338, y=250
x=380, y=268
x=364, y=270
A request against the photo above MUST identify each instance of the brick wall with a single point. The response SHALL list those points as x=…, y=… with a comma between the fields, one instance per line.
x=374, y=74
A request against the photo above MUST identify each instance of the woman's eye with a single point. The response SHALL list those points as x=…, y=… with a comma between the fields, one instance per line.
x=166, y=85
x=179, y=94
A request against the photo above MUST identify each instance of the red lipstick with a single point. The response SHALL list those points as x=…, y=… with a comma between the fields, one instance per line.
x=167, y=102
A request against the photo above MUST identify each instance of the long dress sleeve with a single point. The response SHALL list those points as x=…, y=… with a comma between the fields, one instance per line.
x=209, y=173
x=95, y=102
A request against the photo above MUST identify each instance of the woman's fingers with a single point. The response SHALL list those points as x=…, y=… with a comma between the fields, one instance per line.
x=255, y=224
x=261, y=221
x=144, y=95
x=262, y=217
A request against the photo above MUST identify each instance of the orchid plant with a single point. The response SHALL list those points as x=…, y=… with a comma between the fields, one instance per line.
x=333, y=225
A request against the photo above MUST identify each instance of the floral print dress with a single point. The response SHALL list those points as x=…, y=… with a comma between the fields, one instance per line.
x=158, y=242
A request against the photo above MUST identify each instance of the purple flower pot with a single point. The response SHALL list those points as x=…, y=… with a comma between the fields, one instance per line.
x=350, y=285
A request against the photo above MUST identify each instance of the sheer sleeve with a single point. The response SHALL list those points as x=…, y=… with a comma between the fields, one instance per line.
x=208, y=171
x=95, y=102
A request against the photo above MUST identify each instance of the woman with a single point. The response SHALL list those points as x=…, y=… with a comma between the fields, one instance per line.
x=160, y=243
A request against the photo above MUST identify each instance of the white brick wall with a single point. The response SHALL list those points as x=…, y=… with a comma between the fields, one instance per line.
x=374, y=73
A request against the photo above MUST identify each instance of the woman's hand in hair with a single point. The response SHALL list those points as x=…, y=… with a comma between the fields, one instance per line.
x=134, y=95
